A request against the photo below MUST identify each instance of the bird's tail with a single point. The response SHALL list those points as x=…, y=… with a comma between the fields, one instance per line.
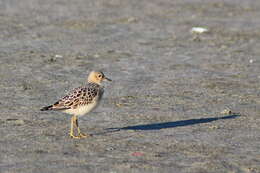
x=47, y=108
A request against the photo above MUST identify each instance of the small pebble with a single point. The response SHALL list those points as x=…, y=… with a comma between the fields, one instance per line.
x=199, y=30
x=131, y=19
x=226, y=111
x=110, y=148
x=58, y=56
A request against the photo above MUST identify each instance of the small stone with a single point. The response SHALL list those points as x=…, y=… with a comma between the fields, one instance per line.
x=110, y=148
x=58, y=56
x=199, y=30
x=131, y=19
x=226, y=111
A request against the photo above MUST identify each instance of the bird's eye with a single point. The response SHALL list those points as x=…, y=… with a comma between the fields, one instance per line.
x=99, y=75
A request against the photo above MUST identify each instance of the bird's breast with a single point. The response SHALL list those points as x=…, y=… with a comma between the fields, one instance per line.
x=82, y=109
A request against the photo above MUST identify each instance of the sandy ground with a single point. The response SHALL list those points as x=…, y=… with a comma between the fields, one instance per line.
x=179, y=102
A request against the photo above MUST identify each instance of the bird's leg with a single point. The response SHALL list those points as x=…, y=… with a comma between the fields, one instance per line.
x=72, y=122
x=81, y=135
x=71, y=126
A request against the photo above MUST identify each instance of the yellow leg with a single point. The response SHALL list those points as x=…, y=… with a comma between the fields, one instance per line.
x=81, y=135
x=72, y=122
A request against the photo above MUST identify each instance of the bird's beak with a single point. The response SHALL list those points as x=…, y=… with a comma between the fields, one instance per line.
x=107, y=79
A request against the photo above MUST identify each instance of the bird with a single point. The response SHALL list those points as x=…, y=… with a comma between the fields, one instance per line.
x=80, y=101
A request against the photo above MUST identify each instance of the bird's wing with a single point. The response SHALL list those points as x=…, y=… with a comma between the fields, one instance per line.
x=77, y=97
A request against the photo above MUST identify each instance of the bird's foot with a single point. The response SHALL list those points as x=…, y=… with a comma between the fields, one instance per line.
x=74, y=137
x=82, y=135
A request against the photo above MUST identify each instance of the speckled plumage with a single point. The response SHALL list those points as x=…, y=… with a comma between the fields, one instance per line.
x=81, y=96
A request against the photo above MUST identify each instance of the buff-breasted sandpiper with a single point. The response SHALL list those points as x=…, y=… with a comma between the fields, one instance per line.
x=81, y=100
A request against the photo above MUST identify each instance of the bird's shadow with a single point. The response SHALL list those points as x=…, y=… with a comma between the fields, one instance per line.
x=165, y=125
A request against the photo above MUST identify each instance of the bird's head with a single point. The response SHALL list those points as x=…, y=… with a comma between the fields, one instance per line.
x=97, y=77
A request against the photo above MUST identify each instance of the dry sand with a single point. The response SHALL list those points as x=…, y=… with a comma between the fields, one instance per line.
x=179, y=102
